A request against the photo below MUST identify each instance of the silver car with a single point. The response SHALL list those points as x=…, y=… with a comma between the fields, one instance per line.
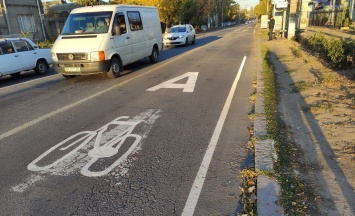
x=180, y=35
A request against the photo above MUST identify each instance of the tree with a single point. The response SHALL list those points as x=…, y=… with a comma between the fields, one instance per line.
x=188, y=11
x=263, y=8
x=234, y=12
x=87, y=2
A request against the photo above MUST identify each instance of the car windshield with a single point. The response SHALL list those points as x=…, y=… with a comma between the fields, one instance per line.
x=177, y=29
x=87, y=23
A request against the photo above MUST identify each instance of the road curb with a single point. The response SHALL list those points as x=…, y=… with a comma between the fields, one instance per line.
x=268, y=189
x=268, y=192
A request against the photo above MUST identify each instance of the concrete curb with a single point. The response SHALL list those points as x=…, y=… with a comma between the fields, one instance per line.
x=268, y=192
x=268, y=189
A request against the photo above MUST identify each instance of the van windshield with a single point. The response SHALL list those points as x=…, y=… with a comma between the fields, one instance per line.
x=88, y=23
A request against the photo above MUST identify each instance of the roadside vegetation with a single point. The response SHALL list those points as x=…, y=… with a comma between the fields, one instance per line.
x=45, y=44
x=40, y=44
x=338, y=53
x=295, y=193
x=300, y=86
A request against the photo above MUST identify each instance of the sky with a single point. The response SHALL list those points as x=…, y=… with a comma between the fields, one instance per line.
x=247, y=3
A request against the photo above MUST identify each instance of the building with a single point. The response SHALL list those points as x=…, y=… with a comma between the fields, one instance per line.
x=56, y=13
x=294, y=16
x=22, y=17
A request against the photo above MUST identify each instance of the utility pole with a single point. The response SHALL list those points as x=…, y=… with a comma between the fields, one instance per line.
x=7, y=18
x=222, y=13
x=41, y=19
x=352, y=9
x=333, y=14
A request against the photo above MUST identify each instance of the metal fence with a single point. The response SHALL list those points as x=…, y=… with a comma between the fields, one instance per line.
x=327, y=18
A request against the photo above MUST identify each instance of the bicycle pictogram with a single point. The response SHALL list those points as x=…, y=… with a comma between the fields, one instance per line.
x=103, y=143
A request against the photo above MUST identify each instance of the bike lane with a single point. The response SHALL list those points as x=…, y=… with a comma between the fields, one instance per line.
x=157, y=178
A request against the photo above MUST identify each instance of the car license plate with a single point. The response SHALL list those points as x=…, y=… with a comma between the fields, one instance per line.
x=72, y=69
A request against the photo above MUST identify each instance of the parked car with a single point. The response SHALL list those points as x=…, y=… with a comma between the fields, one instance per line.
x=22, y=54
x=180, y=35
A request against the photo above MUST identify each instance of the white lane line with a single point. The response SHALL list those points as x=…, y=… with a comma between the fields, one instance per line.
x=195, y=192
x=24, y=83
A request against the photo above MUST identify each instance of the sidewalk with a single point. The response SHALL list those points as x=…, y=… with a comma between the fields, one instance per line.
x=323, y=138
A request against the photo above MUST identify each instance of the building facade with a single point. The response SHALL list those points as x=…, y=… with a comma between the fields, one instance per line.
x=18, y=17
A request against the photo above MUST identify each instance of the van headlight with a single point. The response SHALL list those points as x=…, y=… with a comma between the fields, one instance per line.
x=181, y=36
x=97, y=56
x=54, y=57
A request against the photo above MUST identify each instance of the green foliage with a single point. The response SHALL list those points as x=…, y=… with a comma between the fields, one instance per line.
x=320, y=106
x=248, y=189
x=300, y=86
x=296, y=52
x=339, y=52
x=334, y=50
x=188, y=11
x=328, y=78
x=349, y=52
x=315, y=43
x=44, y=44
x=87, y=2
x=264, y=7
x=25, y=34
x=295, y=194
x=346, y=22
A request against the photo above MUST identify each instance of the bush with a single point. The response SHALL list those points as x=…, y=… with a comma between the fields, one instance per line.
x=339, y=52
x=316, y=42
x=334, y=50
x=44, y=44
x=349, y=52
x=346, y=22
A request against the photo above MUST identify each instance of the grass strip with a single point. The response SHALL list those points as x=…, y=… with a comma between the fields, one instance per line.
x=295, y=194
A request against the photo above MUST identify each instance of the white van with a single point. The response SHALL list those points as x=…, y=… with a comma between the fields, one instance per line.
x=104, y=38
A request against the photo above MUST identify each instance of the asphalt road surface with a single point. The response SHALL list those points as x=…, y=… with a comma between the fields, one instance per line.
x=163, y=139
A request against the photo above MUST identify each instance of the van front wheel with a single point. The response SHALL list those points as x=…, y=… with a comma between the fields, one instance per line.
x=154, y=56
x=115, y=69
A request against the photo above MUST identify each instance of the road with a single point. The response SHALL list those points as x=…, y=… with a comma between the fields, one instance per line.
x=163, y=139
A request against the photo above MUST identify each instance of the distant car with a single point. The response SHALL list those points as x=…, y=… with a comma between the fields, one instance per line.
x=203, y=27
x=180, y=35
x=21, y=54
